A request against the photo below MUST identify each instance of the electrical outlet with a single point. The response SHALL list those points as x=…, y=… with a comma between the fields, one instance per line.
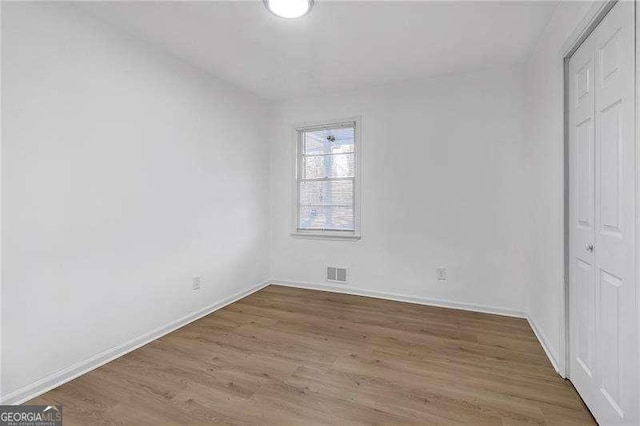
x=196, y=282
x=441, y=274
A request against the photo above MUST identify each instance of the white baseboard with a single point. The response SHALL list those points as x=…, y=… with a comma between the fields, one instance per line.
x=402, y=298
x=67, y=374
x=542, y=338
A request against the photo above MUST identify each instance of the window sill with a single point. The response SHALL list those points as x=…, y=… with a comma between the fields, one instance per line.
x=325, y=236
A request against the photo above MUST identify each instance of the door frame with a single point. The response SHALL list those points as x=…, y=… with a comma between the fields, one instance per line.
x=592, y=18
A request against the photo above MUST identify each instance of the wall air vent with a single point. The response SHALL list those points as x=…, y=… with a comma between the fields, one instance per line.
x=337, y=274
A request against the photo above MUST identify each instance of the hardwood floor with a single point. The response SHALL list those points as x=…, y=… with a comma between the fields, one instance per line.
x=293, y=356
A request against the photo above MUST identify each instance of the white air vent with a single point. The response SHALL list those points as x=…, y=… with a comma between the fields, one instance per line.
x=337, y=274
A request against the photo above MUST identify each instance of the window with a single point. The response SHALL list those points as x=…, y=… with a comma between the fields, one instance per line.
x=327, y=180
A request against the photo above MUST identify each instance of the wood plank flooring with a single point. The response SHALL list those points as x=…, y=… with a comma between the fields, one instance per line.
x=293, y=356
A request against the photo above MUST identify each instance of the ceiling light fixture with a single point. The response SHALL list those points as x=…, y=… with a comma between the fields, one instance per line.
x=289, y=9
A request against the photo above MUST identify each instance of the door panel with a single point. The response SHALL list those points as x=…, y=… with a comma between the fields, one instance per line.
x=616, y=317
x=610, y=170
x=585, y=312
x=609, y=287
x=585, y=168
x=582, y=219
x=603, y=299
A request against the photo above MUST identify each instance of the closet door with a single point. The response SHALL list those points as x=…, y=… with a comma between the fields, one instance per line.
x=603, y=303
x=582, y=289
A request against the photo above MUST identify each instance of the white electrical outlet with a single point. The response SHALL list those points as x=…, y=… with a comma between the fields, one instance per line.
x=197, y=280
x=441, y=274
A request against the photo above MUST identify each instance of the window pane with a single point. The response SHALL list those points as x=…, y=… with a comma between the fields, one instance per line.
x=333, y=166
x=329, y=141
x=326, y=192
x=327, y=217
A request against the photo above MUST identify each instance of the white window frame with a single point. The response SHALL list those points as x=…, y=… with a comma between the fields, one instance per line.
x=357, y=189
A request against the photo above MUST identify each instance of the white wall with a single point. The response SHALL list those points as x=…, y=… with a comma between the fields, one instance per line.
x=443, y=179
x=125, y=172
x=545, y=159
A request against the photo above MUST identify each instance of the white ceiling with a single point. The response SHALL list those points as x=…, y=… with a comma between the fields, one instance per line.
x=339, y=45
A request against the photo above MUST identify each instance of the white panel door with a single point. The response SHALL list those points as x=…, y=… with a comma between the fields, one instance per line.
x=582, y=219
x=603, y=303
